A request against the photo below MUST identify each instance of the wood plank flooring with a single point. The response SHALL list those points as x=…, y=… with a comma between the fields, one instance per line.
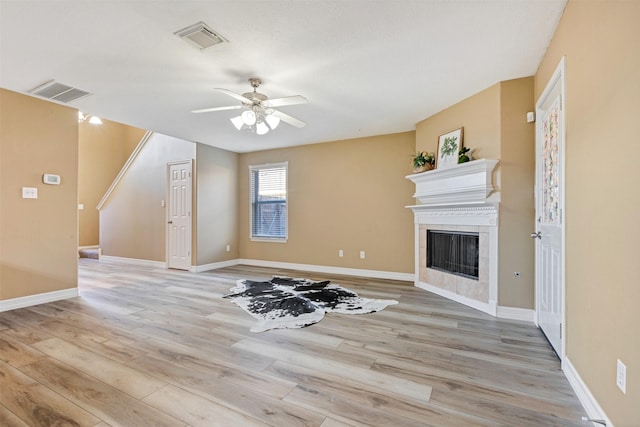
x=144, y=346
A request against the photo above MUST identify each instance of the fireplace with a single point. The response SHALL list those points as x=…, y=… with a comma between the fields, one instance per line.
x=454, y=252
x=456, y=233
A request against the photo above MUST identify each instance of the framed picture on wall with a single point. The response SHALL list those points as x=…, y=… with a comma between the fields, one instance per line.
x=448, y=146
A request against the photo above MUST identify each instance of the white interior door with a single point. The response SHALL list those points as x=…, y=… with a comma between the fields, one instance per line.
x=550, y=222
x=179, y=216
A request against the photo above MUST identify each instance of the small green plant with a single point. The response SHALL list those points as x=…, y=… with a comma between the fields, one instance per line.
x=463, y=157
x=422, y=158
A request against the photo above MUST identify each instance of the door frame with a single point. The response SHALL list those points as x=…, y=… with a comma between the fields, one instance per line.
x=559, y=76
x=167, y=211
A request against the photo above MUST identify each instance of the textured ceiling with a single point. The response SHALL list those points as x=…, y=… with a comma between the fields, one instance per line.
x=367, y=67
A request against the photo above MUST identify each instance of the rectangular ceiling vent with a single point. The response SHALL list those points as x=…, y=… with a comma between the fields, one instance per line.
x=201, y=36
x=58, y=92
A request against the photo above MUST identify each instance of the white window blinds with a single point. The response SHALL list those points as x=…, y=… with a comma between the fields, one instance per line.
x=268, y=189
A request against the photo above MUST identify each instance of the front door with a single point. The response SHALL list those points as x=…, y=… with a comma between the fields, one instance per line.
x=549, y=233
x=179, y=216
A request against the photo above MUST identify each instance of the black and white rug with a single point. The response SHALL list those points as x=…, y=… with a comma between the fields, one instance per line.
x=283, y=302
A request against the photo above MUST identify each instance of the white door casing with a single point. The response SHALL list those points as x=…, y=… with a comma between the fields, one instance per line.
x=550, y=221
x=179, y=215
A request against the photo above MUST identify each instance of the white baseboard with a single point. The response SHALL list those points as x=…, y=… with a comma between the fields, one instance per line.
x=134, y=261
x=89, y=247
x=21, y=302
x=515, y=313
x=489, y=308
x=375, y=274
x=214, y=266
x=589, y=403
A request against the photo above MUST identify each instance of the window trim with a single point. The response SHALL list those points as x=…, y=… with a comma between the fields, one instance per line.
x=253, y=168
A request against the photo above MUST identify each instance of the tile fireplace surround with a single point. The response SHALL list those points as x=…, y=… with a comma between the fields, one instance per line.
x=459, y=198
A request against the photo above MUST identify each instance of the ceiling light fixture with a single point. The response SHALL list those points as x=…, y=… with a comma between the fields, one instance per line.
x=272, y=121
x=257, y=120
x=237, y=122
x=261, y=128
x=94, y=120
x=249, y=118
x=258, y=113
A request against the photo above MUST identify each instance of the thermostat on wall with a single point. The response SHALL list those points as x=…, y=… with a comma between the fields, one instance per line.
x=48, y=178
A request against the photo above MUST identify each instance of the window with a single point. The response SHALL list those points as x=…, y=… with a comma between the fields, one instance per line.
x=268, y=188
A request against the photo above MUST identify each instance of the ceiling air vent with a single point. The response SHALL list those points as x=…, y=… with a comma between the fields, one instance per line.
x=201, y=36
x=58, y=92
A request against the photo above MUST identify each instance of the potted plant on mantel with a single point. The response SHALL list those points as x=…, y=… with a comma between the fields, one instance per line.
x=423, y=161
x=463, y=155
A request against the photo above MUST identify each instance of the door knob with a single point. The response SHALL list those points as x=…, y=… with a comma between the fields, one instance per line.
x=537, y=235
x=171, y=222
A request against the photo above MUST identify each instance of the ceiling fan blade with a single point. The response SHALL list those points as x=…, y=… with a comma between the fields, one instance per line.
x=288, y=119
x=235, y=95
x=207, y=110
x=287, y=100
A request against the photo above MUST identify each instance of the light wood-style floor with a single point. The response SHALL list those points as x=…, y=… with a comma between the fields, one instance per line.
x=144, y=346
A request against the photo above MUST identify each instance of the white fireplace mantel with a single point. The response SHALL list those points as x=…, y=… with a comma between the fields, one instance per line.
x=461, y=198
x=463, y=184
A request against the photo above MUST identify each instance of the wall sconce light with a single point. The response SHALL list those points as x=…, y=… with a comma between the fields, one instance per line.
x=94, y=120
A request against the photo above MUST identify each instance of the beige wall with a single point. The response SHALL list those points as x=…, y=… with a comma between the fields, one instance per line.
x=133, y=222
x=494, y=122
x=38, y=237
x=217, y=206
x=517, y=206
x=131, y=138
x=601, y=42
x=103, y=150
x=348, y=195
x=479, y=115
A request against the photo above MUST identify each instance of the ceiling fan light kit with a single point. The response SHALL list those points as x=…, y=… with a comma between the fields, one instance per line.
x=259, y=115
x=261, y=128
x=237, y=122
x=261, y=122
x=249, y=118
x=272, y=121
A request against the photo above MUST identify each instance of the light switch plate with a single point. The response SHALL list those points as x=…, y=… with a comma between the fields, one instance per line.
x=621, y=376
x=29, y=193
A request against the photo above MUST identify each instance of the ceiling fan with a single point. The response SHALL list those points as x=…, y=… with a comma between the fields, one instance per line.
x=259, y=116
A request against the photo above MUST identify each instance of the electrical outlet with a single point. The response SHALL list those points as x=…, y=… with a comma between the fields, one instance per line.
x=228, y=248
x=340, y=253
x=362, y=255
x=621, y=376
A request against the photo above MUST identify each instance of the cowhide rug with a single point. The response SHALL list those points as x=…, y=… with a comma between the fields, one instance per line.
x=283, y=302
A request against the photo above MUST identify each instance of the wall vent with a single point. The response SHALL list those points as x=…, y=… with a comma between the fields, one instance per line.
x=201, y=36
x=58, y=92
